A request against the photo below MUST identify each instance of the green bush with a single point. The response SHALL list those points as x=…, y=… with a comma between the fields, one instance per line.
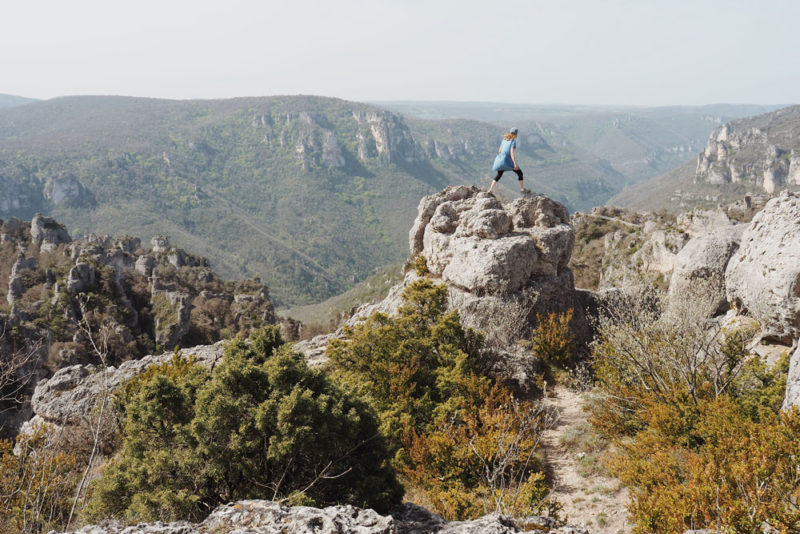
x=262, y=425
x=696, y=420
x=462, y=440
x=413, y=366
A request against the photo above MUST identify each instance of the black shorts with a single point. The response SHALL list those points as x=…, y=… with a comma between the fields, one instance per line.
x=500, y=175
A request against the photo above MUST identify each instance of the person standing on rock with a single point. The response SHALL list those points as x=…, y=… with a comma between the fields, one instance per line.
x=506, y=160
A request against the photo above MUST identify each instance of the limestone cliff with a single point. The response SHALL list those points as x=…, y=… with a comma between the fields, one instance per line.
x=762, y=151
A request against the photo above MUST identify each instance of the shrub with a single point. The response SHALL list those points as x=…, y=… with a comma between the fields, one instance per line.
x=37, y=485
x=413, y=366
x=262, y=425
x=462, y=440
x=552, y=338
x=696, y=420
x=481, y=459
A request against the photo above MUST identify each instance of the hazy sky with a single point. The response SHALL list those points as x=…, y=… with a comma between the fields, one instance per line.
x=641, y=52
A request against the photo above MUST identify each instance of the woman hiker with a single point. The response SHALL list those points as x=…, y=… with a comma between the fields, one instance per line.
x=506, y=160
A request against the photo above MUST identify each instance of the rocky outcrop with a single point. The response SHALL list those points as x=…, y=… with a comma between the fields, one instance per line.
x=71, y=395
x=172, y=311
x=66, y=189
x=617, y=247
x=792, y=396
x=16, y=281
x=385, y=136
x=81, y=277
x=763, y=276
x=760, y=151
x=48, y=233
x=270, y=517
x=482, y=248
x=700, y=267
x=504, y=266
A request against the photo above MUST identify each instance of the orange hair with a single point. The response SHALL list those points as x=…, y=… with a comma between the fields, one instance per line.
x=509, y=136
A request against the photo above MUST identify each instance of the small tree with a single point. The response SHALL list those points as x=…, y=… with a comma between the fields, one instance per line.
x=411, y=366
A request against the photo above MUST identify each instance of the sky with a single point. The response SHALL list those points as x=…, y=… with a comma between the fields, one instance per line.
x=602, y=52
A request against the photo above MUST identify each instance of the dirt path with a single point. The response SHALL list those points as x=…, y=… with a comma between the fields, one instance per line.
x=588, y=497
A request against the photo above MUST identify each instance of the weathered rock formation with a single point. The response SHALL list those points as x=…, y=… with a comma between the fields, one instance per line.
x=499, y=261
x=504, y=266
x=270, y=517
x=762, y=151
x=700, y=267
x=792, y=396
x=48, y=233
x=71, y=396
x=763, y=276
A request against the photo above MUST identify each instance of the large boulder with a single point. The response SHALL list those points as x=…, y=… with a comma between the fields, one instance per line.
x=81, y=277
x=763, y=276
x=478, y=245
x=46, y=232
x=427, y=207
x=700, y=267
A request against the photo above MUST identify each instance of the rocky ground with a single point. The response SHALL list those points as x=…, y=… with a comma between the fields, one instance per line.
x=265, y=517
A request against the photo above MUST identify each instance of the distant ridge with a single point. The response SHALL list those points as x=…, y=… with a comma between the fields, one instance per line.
x=8, y=101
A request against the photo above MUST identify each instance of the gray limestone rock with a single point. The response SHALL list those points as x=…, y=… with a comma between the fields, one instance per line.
x=144, y=265
x=700, y=266
x=792, y=395
x=70, y=395
x=266, y=517
x=81, y=277
x=763, y=276
x=160, y=243
x=172, y=313
x=16, y=281
x=48, y=233
x=66, y=188
x=479, y=246
x=427, y=207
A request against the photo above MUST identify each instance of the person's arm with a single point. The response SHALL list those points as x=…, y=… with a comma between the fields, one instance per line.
x=514, y=158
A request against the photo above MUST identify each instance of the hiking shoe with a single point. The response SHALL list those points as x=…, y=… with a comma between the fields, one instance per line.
x=525, y=191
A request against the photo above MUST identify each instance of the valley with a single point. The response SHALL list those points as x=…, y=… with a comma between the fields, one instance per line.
x=311, y=194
